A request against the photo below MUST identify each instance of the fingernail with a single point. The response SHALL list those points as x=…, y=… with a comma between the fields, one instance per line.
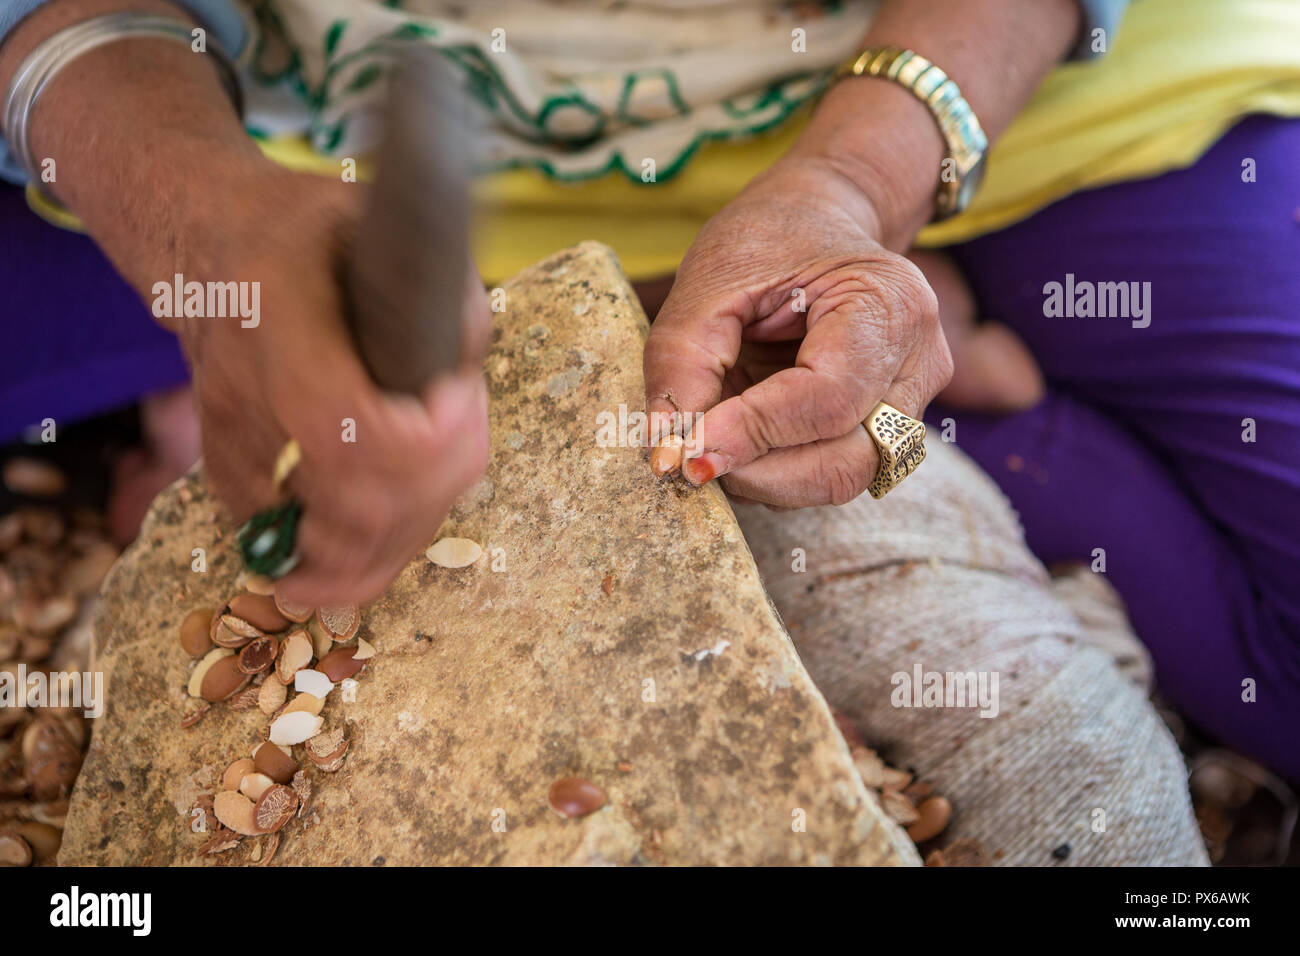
x=705, y=468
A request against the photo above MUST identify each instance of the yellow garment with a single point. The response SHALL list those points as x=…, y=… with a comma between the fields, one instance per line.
x=1182, y=72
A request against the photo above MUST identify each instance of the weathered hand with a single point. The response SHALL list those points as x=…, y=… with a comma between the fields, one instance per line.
x=370, y=504
x=790, y=262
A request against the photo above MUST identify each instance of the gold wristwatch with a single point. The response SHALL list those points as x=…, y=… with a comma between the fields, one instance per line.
x=963, y=167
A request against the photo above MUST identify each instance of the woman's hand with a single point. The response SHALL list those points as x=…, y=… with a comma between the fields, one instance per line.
x=792, y=262
x=371, y=503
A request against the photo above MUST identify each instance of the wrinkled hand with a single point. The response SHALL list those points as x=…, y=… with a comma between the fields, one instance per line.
x=787, y=323
x=368, y=506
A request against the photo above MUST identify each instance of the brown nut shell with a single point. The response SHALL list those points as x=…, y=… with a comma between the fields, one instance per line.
x=236, y=772
x=298, y=613
x=295, y=654
x=196, y=639
x=274, y=762
x=575, y=797
x=223, y=680
x=14, y=850
x=201, y=669
x=666, y=457
x=259, y=611
x=258, y=654
x=275, y=807
x=934, y=814
x=340, y=622
x=340, y=664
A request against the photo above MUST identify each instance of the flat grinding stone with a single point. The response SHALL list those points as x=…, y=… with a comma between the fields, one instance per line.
x=615, y=629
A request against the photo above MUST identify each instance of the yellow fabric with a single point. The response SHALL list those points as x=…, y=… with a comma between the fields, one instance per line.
x=1182, y=72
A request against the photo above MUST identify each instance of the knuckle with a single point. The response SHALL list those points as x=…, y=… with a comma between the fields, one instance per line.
x=943, y=365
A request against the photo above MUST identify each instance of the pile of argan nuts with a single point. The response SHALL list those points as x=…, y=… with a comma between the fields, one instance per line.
x=52, y=561
x=910, y=803
x=251, y=652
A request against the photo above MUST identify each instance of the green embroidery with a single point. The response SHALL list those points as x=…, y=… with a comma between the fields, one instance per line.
x=333, y=35
x=356, y=71
x=364, y=78
x=670, y=82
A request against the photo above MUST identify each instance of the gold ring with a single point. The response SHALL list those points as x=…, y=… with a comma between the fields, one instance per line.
x=286, y=462
x=901, y=443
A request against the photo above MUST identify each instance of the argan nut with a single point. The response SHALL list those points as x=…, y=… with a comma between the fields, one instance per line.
x=258, y=584
x=322, y=642
x=254, y=784
x=195, y=639
x=14, y=850
x=898, y=808
x=895, y=779
x=306, y=703
x=223, y=636
x=47, y=616
x=34, y=478
x=257, y=655
x=340, y=622
x=271, y=695
x=223, y=680
x=236, y=772
x=240, y=627
x=666, y=457
x=340, y=664
x=275, y=807
x=918, y=791
x=295, y=654
x=454, y=552
x=201, y=669
x=259, y=611
x=870, y=766
x=294, y=728
x=309, y=681
x=365, y=650
x=272, y=760
x=575, y=797
x=42, y=838
x=298, y=613
x=934, y=814
x=326, y=750
x=235, y=811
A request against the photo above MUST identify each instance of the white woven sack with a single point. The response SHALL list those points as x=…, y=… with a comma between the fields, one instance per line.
x=937, y=574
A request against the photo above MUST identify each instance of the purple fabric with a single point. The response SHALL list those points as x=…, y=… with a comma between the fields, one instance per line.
x=1138, y=448
x=75, y=340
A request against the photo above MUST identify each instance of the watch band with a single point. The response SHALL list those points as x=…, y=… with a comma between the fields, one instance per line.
x=961, y=130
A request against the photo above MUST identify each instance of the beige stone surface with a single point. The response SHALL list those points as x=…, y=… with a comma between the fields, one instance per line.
x=674, y=687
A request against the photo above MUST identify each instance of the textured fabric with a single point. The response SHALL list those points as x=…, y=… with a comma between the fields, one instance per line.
x=1181, y=73
x=937, y=576
x=219, y=16
x=664, y=77
x=1139, y=449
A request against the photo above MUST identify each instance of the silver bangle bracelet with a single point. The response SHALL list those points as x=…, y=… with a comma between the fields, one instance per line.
x=57, y=51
